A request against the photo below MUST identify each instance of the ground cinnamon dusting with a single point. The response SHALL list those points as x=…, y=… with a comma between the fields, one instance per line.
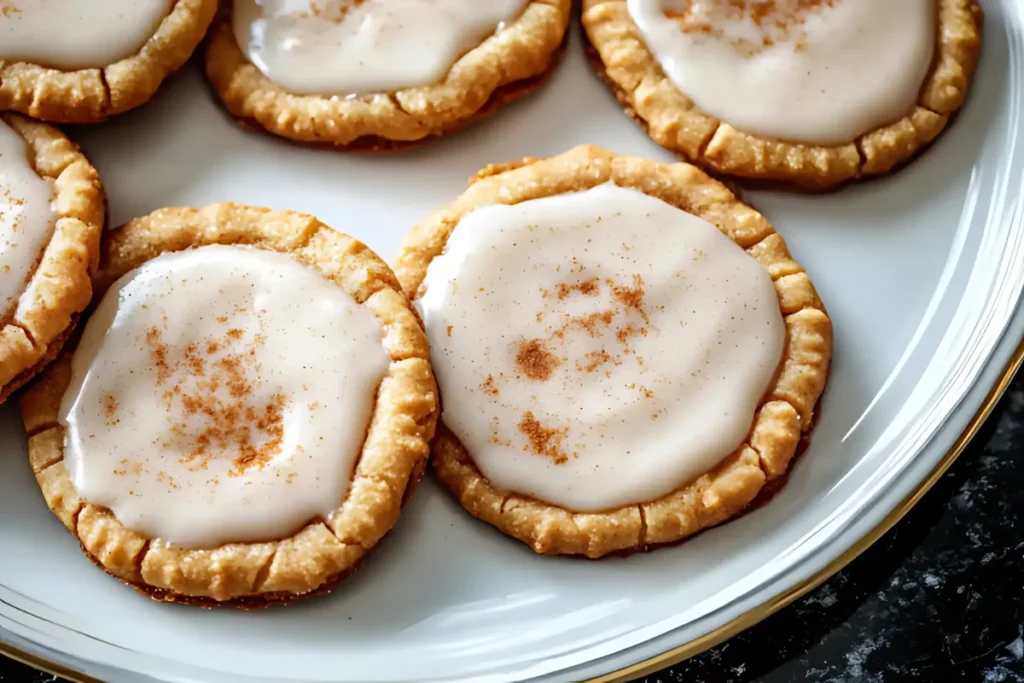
x=586, y=288
x=213, y=390
x=158, y=354
x=595, y=359
x=590, y=323
x=535, y=361
x=496, y=435
x=544, y=441
x=195, y=360
x=488, y=386
x=628, y=331
x=13, y=203
x=631, y=297
x=128, y=467
x=777, y=21
x=110, y=406
x=331, y=10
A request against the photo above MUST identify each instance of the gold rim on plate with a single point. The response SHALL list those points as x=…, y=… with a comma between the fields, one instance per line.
x=744, y=621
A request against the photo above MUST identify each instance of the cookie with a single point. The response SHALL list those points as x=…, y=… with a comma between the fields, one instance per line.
x=808, y=95
x=246, y=411
x=360, y=74
x=626, y=353
x=51, y=218
x=65, y=63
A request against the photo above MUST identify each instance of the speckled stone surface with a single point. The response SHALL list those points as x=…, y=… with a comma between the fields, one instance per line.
x=939, y=598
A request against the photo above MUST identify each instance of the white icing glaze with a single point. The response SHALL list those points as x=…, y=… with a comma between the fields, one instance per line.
x=221, y=395
x=27, y=217
x=77, y=34
x=811, y=71
x=600, y=348
x=344, y=47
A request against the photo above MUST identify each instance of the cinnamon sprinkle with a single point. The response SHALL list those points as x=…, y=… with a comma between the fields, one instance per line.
x=196, y=362
x=595, y=359
x=631, y=297
x=129, y=467
x=488, y=386
x=776, y=21
x=158, y=354
x=110, y=406
x=222, y=421
x=331, y=10
x=628, y=331
x=586, y=288
x=588, y=322
x=538, y=363
x=535, y=361
x=544, y=441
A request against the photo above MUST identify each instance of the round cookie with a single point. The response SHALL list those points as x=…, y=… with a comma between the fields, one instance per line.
x=51, y=218
x=298, y=399
x=626, y=376
x=63, y=64
x=378, y=83
x=803, y=94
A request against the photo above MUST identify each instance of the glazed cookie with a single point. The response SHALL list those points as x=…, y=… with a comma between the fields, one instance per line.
x=626, y=353
x=72, y=62
x=807, y=93
x=248, y=408
x=51, y=217
x=367, y=75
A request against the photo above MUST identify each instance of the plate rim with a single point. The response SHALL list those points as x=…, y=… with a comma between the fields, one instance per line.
x=752, y=616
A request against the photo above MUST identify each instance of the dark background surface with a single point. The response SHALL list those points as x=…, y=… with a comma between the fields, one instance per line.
x=938, y=598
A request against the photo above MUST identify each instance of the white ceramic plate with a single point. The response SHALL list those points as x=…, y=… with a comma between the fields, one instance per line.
x=922, y=273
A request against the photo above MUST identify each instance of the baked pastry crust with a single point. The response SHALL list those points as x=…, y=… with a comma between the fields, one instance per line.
x=92, y=95
x=782, y=420
x=33, y=332
x=617, y=52
x=502, y=69
x=392, y=461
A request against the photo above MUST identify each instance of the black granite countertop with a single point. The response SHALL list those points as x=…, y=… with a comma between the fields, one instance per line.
x=939, y=598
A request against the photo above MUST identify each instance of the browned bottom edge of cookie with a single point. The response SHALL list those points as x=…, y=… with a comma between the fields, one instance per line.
x=248, y=603
x=52, y=351
x=257, y=602
x=505, y=95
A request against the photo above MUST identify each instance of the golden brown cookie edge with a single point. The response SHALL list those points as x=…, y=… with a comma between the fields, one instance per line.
x=49, y=307
x=258, y=602
x=93, y=95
